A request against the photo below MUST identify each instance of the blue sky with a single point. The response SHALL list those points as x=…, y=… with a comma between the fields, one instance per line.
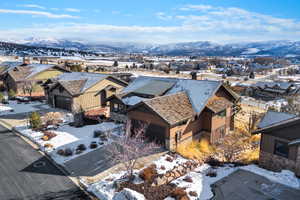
x=154, y=21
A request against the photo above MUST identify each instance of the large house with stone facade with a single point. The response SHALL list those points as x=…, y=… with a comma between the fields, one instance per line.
x=280, y=142
x=177, y=111
x=82, y=90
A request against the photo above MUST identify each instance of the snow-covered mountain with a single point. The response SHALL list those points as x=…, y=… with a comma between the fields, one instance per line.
x=201, y=48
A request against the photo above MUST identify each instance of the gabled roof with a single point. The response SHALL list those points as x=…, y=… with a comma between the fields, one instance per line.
x=198, y=91
x=78, y=82
x=154, y=87
x=173, y=108
x=28, y=71
x=273, y=118
x=288, y=129
x=218, y=104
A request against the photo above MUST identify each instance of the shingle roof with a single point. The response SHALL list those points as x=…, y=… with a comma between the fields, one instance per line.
x=172, y=108
x=78, y=82
x=272, y=118
x=198, y=91
x=28, y=71
x=282, y=85
x=218, y=104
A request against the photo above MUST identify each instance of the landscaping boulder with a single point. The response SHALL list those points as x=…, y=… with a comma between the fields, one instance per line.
x=128, y=194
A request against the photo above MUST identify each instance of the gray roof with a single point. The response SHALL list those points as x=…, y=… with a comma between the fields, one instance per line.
x=198, y=91
x=282, y=85
x=154, y=87
x=37, y=68
x=272, y=118
x=10, y=65
x=89, y=78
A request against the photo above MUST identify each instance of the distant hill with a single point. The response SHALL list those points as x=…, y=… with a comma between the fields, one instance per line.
x=201, y=48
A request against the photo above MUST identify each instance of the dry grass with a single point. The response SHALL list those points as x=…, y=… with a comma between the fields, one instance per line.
x=197, y=150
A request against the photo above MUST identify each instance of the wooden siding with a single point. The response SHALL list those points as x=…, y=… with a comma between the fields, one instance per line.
x=268, y=144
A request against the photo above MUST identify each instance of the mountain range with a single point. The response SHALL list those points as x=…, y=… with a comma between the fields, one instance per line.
x=280, y=48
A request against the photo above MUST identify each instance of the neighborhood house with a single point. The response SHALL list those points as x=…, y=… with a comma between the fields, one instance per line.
x=177, y=111
x=280, y=142
x=81, y=90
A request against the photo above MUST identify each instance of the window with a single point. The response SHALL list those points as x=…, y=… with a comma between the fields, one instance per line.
x=222, y=113
x=115, y=107
x=281, y=149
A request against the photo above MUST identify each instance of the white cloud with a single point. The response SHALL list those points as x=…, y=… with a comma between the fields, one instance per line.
x=72, y=10
x=196, y=7
x=33, y=6
x=37, y=13
x=218, y=24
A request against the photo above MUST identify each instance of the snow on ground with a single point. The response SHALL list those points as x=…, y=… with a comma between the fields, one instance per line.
x=70, y=137
x=5, y=109
x=17, y=108
x=201, y=183
x=168, y=165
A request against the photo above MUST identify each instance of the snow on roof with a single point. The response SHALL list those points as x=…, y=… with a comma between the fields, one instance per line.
x=282, y=85
x=74, y=58
x=9, y=65
x=272, y=118
x=132, y=100
x=198, y=91
x=91, y=78
x=37, y=68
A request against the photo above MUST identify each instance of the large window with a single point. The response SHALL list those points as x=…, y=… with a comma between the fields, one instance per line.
x=281, y=149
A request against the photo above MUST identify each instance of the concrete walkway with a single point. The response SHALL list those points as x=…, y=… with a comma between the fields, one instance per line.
x=245, y=185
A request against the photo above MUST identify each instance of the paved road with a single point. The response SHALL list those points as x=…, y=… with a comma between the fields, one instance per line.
x=26, y=175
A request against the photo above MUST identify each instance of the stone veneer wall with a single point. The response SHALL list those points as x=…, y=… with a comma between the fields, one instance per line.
x=277, y=163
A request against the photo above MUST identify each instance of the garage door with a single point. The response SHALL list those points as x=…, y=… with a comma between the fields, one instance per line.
x=63, y=102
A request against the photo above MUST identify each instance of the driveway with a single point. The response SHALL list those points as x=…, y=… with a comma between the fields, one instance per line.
x=245, y=185
x=25, y=174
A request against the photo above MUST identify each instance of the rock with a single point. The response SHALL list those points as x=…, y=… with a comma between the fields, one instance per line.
x=128, y=194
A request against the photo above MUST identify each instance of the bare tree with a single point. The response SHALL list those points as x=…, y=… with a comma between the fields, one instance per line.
x=132, y=146
x=28, y=88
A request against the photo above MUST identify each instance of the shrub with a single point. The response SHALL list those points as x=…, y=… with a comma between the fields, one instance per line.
x=193, y=194
x=211, y=173
x=45, y=138
x=68, y=152
x=97, y=133
x=47, y=145
x=214, y=162
x=61, y=152
x=11, y=94
x=188, y=179
x=178, y=193
x=81, y=147
x=149, y=173
x=169, y=159
x=49, y=134
x=35, y=120
x=93, y=145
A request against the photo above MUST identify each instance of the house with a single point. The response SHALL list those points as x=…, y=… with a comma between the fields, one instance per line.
x=280, y=142
x=82, y=90
x=273, y=90
x=30, y=75
x=177, y=111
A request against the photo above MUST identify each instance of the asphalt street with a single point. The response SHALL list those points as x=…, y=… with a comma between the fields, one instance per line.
x=25, y=174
